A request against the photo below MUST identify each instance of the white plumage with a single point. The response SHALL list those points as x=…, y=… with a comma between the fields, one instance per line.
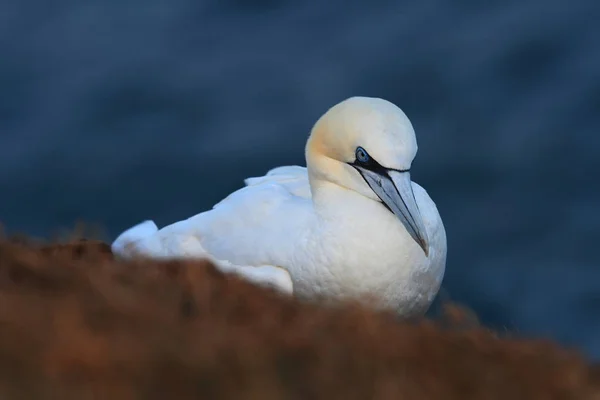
x=349, y=226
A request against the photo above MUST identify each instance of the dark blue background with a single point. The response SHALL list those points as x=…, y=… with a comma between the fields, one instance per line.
x=116, y=111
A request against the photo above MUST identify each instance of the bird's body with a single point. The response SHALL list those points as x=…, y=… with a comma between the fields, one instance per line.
x=331, y=240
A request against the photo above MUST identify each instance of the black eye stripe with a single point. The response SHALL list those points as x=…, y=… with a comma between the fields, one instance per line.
x=371, y=164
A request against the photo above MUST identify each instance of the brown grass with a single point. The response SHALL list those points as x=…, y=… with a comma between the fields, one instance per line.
x=75, y=324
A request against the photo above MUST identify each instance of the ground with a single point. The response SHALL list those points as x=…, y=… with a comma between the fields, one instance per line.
x=76, y=324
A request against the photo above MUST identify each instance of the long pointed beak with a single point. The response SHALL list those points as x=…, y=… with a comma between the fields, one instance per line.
x=394, y=188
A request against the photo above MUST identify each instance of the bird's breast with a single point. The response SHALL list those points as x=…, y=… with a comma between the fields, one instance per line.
x=360, y=256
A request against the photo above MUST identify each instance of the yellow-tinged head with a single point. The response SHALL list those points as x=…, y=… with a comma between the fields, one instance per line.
x=368, y=145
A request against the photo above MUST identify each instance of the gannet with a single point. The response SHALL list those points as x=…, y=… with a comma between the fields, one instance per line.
x=351, y=225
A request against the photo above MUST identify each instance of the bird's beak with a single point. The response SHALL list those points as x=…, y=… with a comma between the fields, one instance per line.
x=394, y=188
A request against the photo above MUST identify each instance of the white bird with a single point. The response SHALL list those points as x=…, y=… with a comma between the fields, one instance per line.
x=350, y=226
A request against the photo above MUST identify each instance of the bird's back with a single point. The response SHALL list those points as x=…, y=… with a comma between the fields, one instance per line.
x=254, y=225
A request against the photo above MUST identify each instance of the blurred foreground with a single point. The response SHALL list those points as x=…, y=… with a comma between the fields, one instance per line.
x=77, y=324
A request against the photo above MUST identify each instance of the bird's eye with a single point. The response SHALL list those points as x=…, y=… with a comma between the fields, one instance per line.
x=362, y=155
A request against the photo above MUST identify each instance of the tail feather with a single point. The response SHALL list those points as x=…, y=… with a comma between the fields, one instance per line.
x=142, y=240
x=124, y=245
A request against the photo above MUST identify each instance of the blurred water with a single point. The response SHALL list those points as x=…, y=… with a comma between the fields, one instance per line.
x=118, y=111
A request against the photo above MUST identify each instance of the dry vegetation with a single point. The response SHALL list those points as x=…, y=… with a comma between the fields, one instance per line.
x=75, y=324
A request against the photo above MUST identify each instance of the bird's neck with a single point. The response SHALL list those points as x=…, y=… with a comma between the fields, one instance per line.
x=333, y=201
x=323, y=172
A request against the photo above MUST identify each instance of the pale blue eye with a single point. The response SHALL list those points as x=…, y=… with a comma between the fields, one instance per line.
x=362, y=155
